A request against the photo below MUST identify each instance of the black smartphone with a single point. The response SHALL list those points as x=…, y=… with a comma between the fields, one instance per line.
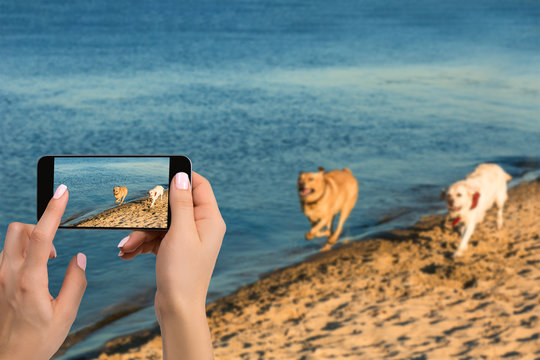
x=111, y=191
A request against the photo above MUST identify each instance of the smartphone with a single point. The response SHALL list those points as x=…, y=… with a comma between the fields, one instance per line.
x=111, y=191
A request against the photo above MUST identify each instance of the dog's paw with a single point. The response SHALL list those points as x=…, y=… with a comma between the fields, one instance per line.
x=459, y=253
x=309, y=236
x=332, y=239
x=326, y=247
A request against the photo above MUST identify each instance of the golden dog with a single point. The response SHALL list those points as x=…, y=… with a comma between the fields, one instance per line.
x=120, y=193
x=322, y=197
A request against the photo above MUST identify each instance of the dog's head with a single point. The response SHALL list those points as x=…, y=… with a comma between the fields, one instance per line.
x=311, y=185
x=152, y=193
x=117, y=190
x=461, y=196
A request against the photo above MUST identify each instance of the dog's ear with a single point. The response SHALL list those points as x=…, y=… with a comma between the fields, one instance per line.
x=442, y=196
x=474, y=193
x=321, y=169
x=475, y=198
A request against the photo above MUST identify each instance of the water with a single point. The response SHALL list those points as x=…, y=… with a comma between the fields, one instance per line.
x=410, y=96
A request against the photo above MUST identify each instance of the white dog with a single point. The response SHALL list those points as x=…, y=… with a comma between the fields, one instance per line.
x=468, y=200
x=154, y=193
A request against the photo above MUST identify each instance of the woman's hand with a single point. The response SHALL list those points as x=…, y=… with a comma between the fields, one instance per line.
x=186, y=256
x=33, y=325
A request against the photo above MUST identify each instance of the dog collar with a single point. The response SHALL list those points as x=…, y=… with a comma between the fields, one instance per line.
x=456, y=221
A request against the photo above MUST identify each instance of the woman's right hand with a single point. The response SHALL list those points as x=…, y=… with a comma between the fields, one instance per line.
x=186, y=256
x=33, y=324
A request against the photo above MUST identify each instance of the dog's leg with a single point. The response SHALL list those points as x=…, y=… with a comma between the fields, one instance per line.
x=499, y=217
x=329, y=231
x=342, y=218
x=469, y=229
x=344, y=214
x=328, y=225
x=500, y=200
x=316, y=229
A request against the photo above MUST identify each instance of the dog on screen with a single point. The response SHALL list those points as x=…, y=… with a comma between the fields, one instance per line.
x=155, y=193
x=120, y=193
x=468, y=200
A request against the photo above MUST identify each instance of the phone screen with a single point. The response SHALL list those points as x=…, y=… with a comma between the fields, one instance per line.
x=112, y=192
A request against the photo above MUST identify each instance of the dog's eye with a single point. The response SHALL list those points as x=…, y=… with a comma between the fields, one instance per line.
x=458, y=195
x=310, y=179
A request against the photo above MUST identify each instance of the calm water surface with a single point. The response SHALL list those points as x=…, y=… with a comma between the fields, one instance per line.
x=410, y=96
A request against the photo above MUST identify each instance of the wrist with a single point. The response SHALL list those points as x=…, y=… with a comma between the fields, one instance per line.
x=179, y=308
x=184, y=329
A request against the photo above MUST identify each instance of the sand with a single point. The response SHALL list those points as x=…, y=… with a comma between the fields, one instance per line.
x=397, y=296
x=136, y=214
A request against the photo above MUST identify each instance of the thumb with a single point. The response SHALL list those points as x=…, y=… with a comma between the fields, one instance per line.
x=73, y=287
x=181, y=202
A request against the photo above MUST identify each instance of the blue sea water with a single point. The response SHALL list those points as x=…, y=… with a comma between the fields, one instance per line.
x=91, y=181
x=409, y=95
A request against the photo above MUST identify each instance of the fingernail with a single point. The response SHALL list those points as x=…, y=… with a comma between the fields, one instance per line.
x=60, y=190
x=55, y=254
x=123, y=241
x=81, y=260
x=120, y=253
x=181, y=181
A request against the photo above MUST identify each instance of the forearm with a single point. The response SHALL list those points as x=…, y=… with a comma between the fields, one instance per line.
x=186, y=335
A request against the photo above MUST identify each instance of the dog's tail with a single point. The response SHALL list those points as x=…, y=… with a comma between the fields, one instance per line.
x=508, y=177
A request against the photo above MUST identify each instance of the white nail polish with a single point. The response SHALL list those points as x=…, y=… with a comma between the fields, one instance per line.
x=123, y=241
x=81, y=261
x=60, y=190
x=181, y=181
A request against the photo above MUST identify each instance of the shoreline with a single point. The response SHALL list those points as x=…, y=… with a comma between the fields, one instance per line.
x=131, y=214
x=398, y=292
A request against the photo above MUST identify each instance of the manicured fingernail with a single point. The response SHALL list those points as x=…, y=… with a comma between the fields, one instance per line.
x=120, y=253
x=81, y=260
x=123, y=241
x=60, y=190
x=181, y=181
x=55, y=253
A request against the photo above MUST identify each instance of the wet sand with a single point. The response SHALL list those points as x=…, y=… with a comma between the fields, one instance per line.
x=133, y=214
x=399, y=295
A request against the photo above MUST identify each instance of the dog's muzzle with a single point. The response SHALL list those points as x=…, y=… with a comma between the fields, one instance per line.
x=304, y=191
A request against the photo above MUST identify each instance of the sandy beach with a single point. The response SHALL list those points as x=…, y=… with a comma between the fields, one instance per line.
x=399, y=295
x=133, y=214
